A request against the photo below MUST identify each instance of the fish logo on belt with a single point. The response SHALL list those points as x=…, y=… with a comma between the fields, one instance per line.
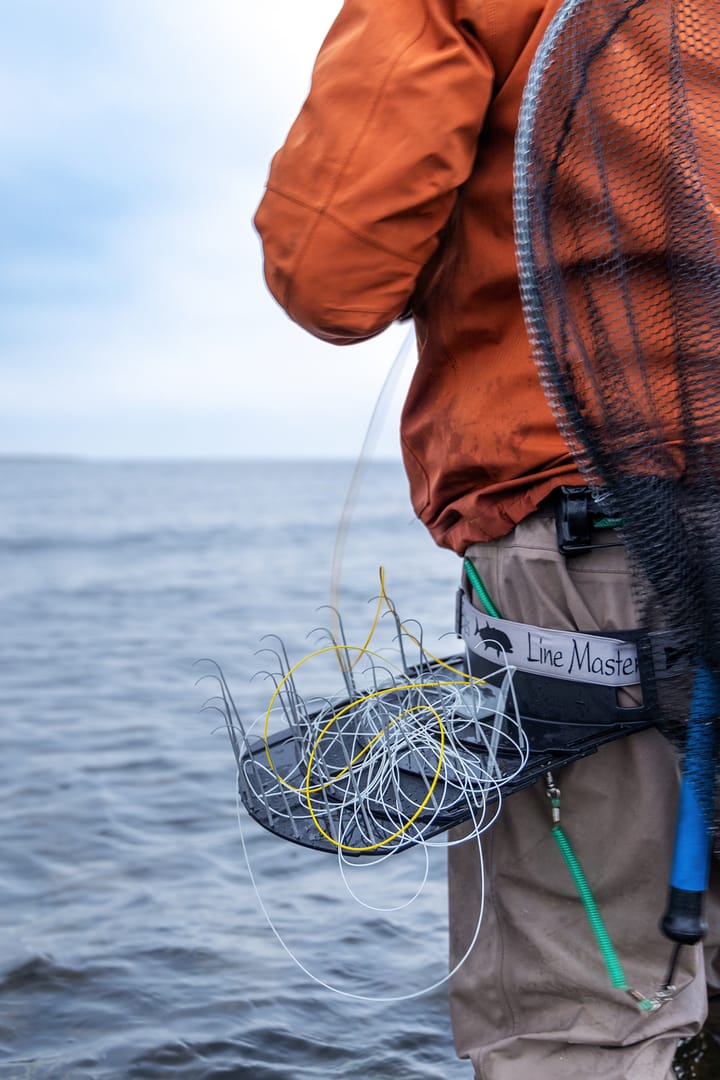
x=492, y=638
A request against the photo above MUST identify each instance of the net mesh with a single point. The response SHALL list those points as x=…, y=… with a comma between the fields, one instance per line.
x=618, y=238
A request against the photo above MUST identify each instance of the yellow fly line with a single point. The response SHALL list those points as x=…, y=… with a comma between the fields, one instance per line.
x=341, y=712
x=383, y=598
x=463, y=677
x=421, y=807
x=341, y=651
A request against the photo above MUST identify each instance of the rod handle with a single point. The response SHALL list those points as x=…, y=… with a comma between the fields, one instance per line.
x=684, y=920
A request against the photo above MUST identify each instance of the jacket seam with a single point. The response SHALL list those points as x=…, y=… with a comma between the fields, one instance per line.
x=406, y=446
x=323, y=212
x=492, y=22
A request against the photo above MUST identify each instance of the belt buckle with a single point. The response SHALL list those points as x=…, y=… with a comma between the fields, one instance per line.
x=573, y=520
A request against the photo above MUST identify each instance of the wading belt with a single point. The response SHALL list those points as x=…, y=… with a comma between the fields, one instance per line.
x=569, y=680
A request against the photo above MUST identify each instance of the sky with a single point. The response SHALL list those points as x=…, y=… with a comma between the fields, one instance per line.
x=135, y=141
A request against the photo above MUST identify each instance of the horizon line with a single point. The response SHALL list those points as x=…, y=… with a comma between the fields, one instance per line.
x=8, y=457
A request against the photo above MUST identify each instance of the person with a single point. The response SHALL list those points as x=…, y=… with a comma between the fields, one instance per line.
x=392, y=198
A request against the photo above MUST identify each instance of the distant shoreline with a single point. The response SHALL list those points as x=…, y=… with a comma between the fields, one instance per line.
x=89, y=459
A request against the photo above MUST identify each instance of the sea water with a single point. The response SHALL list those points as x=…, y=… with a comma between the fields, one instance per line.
x=132, y=943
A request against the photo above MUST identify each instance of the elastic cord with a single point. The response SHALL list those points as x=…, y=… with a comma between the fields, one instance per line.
x=610, y=957
x=479, y=587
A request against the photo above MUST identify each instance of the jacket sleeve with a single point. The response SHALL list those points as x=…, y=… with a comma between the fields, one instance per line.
x=369, y=173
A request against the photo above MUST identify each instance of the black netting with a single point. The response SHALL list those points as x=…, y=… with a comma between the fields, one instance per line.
x=618, y=235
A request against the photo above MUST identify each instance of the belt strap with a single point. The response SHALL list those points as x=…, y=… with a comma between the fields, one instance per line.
x=569, y=678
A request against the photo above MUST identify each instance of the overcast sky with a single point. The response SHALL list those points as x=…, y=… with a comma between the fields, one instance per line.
x=136, y=137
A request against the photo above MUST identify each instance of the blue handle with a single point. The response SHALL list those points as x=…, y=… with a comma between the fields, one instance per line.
x=684, y=921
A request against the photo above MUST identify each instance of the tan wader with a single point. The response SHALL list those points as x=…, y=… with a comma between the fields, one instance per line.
x=534, y=1001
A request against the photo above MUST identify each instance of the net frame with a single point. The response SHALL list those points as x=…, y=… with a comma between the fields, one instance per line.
x=617, y=184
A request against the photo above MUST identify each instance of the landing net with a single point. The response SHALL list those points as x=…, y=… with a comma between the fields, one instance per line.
x=618, y=236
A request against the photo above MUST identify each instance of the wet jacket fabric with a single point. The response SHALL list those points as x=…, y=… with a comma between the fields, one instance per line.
x=392, y=196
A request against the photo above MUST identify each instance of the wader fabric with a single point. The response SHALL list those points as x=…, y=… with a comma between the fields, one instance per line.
x=533, y=1001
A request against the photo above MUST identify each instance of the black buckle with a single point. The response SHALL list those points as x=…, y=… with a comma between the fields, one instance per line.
x=572, y=520
x=576, y=512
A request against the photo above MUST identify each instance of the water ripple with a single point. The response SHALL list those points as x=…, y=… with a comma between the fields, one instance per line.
x=131, y=943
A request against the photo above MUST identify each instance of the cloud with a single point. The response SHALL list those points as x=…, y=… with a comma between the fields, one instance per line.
x=130, y=277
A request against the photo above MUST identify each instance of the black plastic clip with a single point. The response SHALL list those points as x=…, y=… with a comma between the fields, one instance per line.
x=577, y=513
x=573, y=520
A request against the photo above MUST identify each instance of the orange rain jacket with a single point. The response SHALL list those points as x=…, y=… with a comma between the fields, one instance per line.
x=400, y=162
